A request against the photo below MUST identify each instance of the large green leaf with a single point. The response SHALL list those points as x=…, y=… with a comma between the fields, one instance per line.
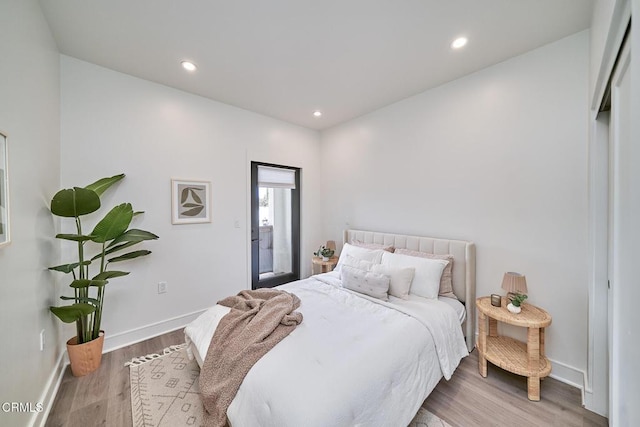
x=106, y=275
x=71, y=313
x=130, y=255
x=74, y=237
x=113, y=224
x=68, y=268
x=133, y=235
x=101, y=185
x=71, y=203
x=92, y=301
x=118, y=248
x=114, y=249
x=97, y=283
x=85, y=283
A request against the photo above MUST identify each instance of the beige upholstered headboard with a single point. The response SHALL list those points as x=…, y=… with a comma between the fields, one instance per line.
x=464, y=265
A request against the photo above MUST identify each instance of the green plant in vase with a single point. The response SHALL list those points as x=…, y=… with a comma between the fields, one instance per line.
x=91, y=273
x=515, y=305
x=324, y=252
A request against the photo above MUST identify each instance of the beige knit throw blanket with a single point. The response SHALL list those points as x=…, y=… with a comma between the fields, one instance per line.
x=258, y=320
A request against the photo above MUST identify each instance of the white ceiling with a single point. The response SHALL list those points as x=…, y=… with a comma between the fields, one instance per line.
x=287, y=58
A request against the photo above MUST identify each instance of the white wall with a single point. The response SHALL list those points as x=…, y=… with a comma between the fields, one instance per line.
x=497, y=157
x=29, y=114
x=113, y=123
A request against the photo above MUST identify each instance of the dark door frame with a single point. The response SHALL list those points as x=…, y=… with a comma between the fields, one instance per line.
x=255, y=231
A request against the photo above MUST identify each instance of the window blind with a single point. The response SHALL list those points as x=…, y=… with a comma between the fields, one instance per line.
x=276, y=177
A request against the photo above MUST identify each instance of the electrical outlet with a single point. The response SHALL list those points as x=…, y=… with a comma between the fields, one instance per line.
x=42, y=340
x=236, y=223
x=162, y=287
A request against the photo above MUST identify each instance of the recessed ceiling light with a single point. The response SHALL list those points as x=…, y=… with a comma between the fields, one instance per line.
x=317, y=113
x=459, y=42
x=189, y=66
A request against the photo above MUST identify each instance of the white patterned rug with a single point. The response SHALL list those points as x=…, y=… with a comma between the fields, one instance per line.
x=165, y=392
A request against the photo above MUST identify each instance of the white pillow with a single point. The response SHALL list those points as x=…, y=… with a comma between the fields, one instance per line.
x=370, y=255
x=446, y=281
x=365, y=282
x=426, y=281
x=399, y=279
x=358, y=263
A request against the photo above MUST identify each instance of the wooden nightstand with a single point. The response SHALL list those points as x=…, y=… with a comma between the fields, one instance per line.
x=320, y=266
x=525, y=359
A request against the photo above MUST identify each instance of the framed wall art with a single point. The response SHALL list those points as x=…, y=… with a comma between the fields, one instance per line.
x=4, y=192
x=190, y=201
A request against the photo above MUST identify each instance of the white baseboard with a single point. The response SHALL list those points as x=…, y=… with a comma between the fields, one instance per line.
x=132, y=336
x=596, y=404
x=49, y=394
x=111, y=342
x=568, y=375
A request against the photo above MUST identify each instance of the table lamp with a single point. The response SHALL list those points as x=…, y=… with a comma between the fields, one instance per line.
x=514, y=283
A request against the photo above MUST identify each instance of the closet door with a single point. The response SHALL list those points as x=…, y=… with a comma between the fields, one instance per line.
x=619, y=141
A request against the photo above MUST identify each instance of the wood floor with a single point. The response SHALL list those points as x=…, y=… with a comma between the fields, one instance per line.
x=103, y=398
x=501, y=400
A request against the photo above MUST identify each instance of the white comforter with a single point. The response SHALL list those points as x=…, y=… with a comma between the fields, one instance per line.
x=353, y=361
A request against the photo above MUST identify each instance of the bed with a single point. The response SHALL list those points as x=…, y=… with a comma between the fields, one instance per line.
x=355, y=359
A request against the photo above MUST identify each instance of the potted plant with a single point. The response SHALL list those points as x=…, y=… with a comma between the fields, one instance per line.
x=516, y=302
x=324, y=252
x=109, y=236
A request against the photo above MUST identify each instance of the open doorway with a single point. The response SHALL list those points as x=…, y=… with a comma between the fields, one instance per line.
x=275, y=225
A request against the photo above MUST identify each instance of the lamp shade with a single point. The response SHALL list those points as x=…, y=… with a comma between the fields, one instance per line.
x=514, y=282
x=331, y=244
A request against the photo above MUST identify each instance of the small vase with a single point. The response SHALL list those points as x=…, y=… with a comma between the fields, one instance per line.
x=85, y=358
x=325, y=258
x=512, y=308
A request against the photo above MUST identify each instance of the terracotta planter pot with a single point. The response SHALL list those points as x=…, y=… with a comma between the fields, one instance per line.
x=85, y=358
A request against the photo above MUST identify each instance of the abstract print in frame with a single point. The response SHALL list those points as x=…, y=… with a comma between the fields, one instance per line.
x=4, y=191
x=190, y=201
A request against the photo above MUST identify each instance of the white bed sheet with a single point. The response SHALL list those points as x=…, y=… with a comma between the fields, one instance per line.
x=353, y=360
x=459, y=307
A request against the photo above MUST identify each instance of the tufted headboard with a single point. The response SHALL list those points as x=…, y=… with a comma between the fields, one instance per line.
x=464, y=265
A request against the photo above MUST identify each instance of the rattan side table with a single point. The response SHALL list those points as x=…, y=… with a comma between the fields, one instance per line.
x=319, y=266
x=521, y=358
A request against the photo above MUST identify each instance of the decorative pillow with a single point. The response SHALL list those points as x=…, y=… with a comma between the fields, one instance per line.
x=365, y=282
x=426, y=281
x=446, y=281
x=399, y=279
x=373, y=256
x=388, y=248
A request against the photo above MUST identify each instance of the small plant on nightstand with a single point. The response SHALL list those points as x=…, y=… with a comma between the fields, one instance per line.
x=516, y=302
x=324, y=252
